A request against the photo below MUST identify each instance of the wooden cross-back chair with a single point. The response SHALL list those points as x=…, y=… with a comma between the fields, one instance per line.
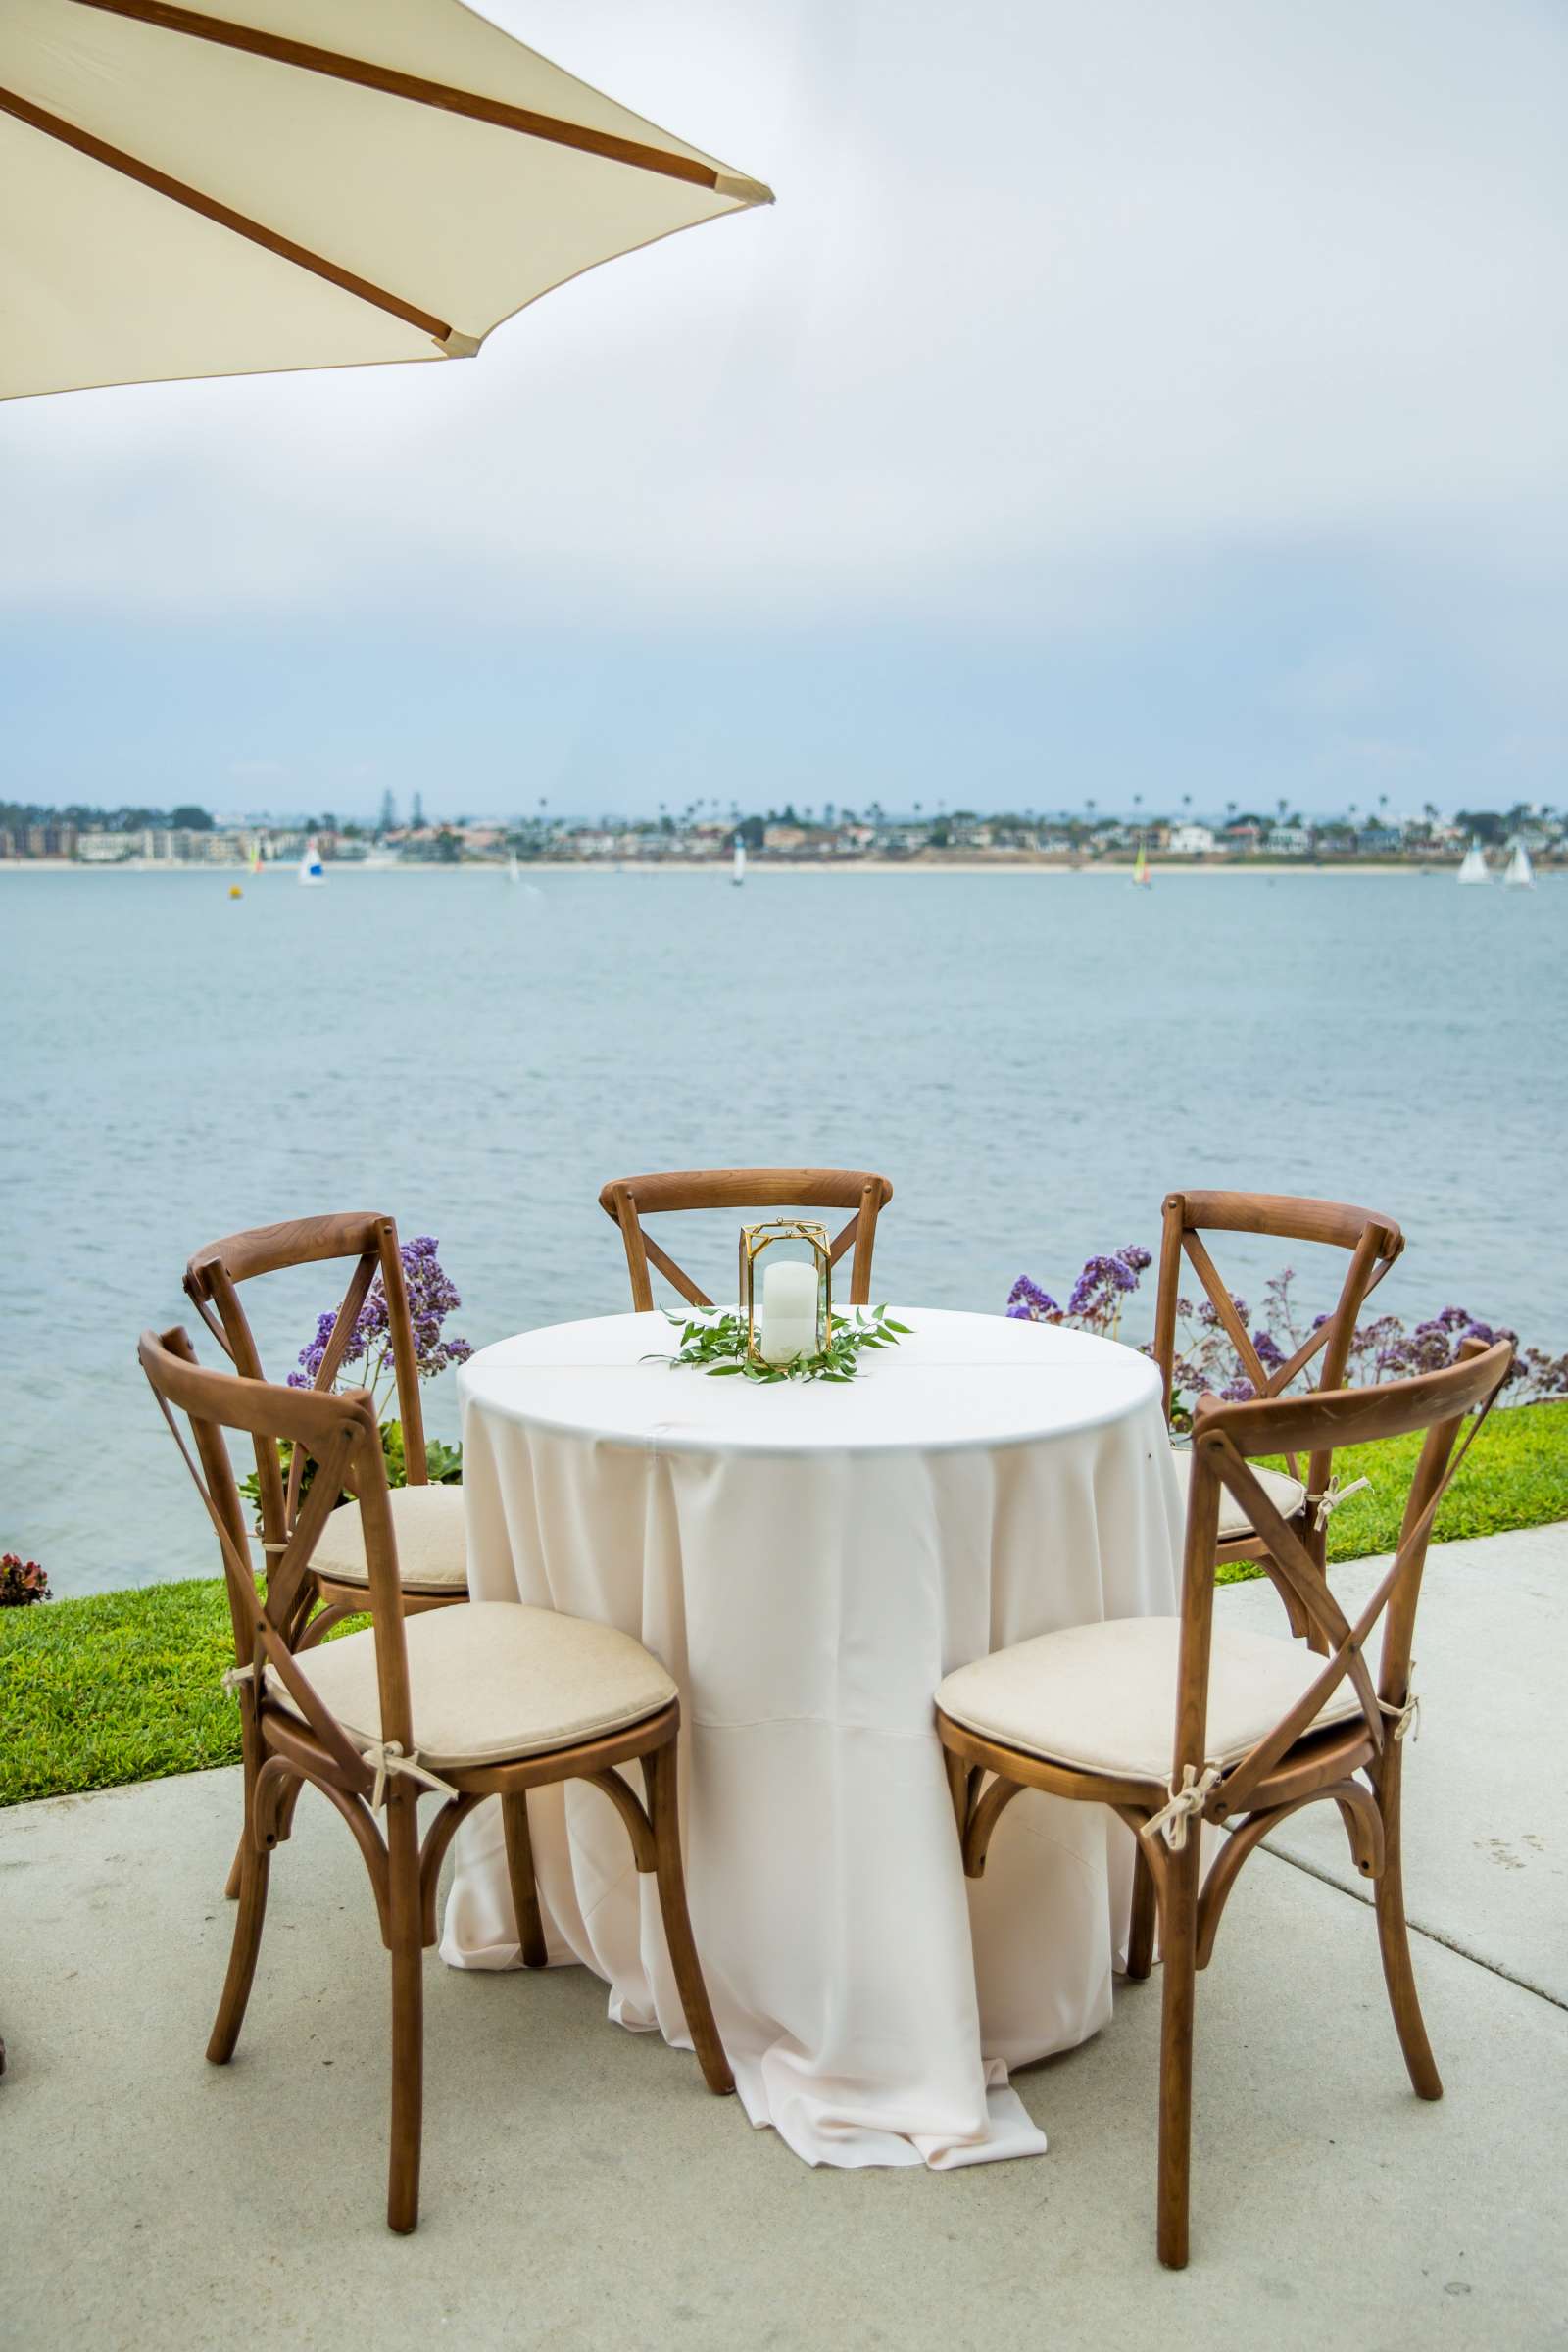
x=429, y=1516
x=630, y=1199
x=1262, y=1725
x=494, y=1699
x=1373, y=1243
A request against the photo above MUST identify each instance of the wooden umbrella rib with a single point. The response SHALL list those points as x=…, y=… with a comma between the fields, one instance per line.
x=413, y=86
x=70, y=135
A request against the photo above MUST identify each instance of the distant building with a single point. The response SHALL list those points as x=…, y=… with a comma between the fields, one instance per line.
x=1287, y=841
x=1191, y=841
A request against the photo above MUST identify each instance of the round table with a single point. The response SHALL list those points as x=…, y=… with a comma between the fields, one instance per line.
x=809, y=1560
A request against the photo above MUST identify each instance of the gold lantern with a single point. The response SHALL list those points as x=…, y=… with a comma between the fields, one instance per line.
x=788, y=1312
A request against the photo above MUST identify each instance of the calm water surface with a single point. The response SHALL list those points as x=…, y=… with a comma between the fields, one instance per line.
x=1033, y=1058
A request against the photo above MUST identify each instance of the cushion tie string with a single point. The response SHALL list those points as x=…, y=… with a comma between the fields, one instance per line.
x=1191, y=1798
x=386, y=1760
x=1405, y=1719
x=1331, y=1498
x=234, y=1676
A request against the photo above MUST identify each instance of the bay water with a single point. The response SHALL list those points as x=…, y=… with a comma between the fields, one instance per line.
x=1034, y=1057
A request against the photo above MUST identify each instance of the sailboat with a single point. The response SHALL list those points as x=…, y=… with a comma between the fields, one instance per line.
x=513, y=869
x=310, y=874
x=1474, y=868
x=256, y=855
x=739, y=876
x=1519, y=875
x=1143, y=879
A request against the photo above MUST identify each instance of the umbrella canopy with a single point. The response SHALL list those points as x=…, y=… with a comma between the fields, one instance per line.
x=302, y=183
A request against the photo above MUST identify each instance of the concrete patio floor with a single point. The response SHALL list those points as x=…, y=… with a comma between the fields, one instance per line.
x=582, y=2191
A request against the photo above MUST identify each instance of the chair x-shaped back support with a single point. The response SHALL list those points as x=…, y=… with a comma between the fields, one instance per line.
x=1373, y=1242
x=212, y=1279
x=630, y=1199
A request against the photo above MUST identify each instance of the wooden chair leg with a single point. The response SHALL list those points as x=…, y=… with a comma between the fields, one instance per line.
x=1140, y=1929
x=248, y=1750
x=407, y=2012
x=663, y=1811
x=1180, y=1957
x=253, y=1866
x=1394, y=1941
x=519, y=1870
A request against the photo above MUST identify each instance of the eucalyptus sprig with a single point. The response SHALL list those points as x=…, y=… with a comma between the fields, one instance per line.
x=716, y=1345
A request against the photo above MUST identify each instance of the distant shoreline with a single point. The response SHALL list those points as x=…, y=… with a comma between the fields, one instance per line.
x=717, y=867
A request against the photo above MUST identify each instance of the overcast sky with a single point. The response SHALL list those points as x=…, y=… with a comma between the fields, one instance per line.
x=1120, y=398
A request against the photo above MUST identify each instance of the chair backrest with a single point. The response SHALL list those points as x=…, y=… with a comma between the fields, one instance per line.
x=1373, y=1242
x=1226, y=1440
x=630, y=1199
x=340, y=1434
x=212, y=1279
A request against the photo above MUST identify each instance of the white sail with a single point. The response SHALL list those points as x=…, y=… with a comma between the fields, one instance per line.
x=310, y=874
x=1519, y=875
x=739, y=874
x=1474, y=868
x=513, y=869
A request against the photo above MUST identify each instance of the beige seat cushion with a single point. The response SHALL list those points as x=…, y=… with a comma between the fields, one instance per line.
x=1102, y=1697
x=492, y=1681
x=427, y=1522
x=1287, y=1495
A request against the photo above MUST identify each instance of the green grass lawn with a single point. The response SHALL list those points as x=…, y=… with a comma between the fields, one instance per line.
x=126, y=1686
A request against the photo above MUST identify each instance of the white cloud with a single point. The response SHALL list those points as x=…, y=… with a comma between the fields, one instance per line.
x=1042, y=309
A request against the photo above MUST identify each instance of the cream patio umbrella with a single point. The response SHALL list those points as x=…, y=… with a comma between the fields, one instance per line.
x=275, y=185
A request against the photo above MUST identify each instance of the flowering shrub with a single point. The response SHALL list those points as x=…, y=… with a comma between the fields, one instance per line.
x=22, y=1582
x=1206, y=1362
x=368, y=1364
x=431, y=1299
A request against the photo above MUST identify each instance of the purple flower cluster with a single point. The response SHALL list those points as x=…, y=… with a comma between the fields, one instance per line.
x=1208, y=1363
x=1027, y=1303
x=1097, y=1297
x=431, y=1299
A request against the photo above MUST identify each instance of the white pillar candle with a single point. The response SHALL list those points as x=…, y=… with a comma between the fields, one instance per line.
x=789, y=1312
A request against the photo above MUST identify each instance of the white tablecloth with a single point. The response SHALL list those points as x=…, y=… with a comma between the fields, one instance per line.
x=808, y=1561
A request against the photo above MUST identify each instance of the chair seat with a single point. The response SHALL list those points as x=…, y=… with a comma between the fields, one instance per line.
x=491, y=1682
x=427, y=1524
x=1287, y=1495
x=1102, y=1697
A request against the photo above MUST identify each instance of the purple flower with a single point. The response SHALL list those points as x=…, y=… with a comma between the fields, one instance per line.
x=1028, y=1303
x=1383, y=1348
x=432, y=1298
